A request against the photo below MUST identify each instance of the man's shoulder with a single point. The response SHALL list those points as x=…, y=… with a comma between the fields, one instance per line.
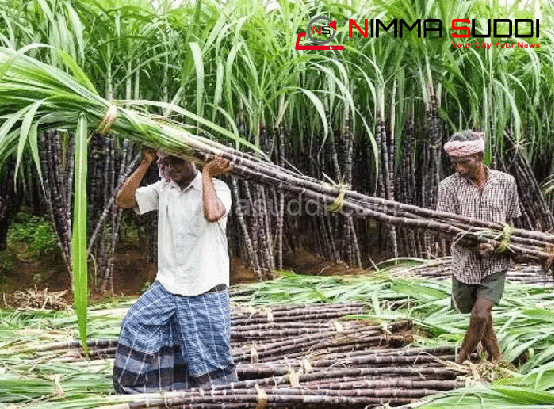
x=450, y=181
x=501, y=176
x=158, y=185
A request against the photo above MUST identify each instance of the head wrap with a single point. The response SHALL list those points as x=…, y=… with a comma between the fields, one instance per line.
x=466, y=148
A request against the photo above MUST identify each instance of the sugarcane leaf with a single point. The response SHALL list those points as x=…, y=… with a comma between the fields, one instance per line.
x=201, y=120
x=8, y=64
x=545, y=356
x=526, y=396
x=218, y=92
x=79, y=236
x=419, y=291
x=8, y=146
x=229, y=75
x=11, y=121
x=78, y=29
x=78, y=73
x=320, y=109
x=25, y=126
x=375, y=303
x=199, y=66
x=539, y=313
x=228, y=117
x=541, y=377
x=522, y=347
x=33, y=144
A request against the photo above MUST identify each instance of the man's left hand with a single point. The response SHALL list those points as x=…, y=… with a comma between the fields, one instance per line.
x=485, y=249
x=217, y=166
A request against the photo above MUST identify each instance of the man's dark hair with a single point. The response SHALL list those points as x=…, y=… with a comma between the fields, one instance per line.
x=465, y=135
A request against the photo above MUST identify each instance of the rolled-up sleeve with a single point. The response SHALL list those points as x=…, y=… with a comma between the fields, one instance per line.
x=512, y=201
x=224, y=194
x=148, y=197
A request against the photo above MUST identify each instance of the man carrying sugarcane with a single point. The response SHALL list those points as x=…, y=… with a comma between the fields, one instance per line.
x=478, y=274
x=177, y=335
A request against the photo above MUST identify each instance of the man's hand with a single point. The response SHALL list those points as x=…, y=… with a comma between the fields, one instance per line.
x=485, y=249
x=217, y=166
x=149, y=155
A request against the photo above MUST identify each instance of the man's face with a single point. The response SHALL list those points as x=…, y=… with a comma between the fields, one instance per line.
x=467, y=167
x=177, y=169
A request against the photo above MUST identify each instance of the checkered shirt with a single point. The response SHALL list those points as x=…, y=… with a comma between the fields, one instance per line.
x=497, y=202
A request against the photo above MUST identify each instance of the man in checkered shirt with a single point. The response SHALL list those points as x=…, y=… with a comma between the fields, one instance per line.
x=478, y=274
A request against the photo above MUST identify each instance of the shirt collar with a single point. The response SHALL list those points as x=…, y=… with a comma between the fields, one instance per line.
x=492, y=177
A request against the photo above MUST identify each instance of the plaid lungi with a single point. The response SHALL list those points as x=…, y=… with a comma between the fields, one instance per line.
x=171, y=342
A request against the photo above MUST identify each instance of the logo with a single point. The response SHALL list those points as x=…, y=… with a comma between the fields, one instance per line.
x=430, y=28
x=319, y=44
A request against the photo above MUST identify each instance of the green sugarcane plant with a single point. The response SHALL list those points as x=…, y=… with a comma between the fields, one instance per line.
x=64, y=101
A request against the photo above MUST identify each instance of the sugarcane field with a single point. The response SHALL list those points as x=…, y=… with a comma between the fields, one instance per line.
x=276, y=204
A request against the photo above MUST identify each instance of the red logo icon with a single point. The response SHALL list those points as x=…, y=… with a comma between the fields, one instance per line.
x=319, y=45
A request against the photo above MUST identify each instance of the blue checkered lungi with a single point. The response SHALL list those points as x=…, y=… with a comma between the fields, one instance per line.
x=171, y=342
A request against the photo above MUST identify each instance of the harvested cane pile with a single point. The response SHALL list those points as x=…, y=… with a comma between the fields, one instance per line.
x=36, y=373
x=440, y=269
x=304, y=355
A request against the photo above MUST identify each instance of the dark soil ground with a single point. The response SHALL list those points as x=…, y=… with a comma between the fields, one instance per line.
x=133, y=275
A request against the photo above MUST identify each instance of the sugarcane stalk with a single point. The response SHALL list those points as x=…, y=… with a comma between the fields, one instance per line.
x=111, y=201
x=253, y=256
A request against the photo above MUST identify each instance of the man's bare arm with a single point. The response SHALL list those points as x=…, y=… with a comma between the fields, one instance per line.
x=126, y=198
x=214, y=209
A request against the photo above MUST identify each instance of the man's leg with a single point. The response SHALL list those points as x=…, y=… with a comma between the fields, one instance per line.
x=491, y=288
x=490, y=343
x=142, y=359
x=463, y=300
x=480, y=316
x=205, y=322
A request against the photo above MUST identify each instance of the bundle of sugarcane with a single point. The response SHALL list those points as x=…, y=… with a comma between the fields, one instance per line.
x=371, y=376
x=64, y=101
x=297, y=347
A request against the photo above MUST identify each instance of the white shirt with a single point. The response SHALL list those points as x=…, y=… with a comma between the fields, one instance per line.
x=192, y=252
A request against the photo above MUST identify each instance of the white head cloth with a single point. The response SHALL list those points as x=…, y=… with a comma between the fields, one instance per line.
x=466, y=148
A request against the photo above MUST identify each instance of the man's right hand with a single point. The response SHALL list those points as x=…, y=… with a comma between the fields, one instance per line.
x=149, y=155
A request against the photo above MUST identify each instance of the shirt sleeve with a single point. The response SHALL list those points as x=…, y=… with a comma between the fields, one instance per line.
x=148, y=197
x=512, y=200
x=224, y=194
x=446, y=201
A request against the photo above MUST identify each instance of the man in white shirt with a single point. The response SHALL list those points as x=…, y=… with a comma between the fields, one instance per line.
x=177, y=335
